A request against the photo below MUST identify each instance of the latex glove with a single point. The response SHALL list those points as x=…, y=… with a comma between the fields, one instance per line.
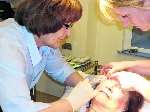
x=134, y=81
x=81, y=94
x=113, y=67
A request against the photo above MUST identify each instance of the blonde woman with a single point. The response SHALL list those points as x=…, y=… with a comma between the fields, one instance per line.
x=129, y=12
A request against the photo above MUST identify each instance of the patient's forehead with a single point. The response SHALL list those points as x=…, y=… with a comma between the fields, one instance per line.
x=108, y=83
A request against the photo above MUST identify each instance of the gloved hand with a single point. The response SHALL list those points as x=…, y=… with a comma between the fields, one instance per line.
x=134, y=81
x=81, y=94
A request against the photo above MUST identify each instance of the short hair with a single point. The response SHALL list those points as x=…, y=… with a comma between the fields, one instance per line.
x=47, y=16
x=135, y=102
x=106, y=6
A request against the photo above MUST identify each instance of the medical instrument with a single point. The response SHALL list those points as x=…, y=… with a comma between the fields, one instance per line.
x=96, y=80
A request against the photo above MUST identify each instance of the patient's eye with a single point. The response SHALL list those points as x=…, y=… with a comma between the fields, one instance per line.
x=105, y=94
x=110, y=89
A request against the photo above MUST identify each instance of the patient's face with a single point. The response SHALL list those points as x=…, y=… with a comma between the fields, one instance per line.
x=111, y=98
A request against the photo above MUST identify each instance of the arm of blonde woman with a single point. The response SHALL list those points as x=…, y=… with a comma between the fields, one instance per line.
x=141, y=67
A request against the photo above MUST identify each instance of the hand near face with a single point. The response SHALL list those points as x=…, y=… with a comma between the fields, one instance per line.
x=138, y=17
x=81, y=94
x=113, y=67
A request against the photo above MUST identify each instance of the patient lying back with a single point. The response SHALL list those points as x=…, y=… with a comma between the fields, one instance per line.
x=112, y=98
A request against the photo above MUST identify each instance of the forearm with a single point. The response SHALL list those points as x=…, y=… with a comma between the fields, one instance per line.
x=73, y=79
x=59, y=106
x=141, y=67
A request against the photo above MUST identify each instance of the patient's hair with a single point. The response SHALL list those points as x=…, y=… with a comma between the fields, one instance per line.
x=106, y=6
x=135, y=102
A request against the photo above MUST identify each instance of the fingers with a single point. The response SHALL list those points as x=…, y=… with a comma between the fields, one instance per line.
x=112, y=71
x=95, y=93
x=86, y=84
x=109, y=72
x=86, y=81
x=105, y=69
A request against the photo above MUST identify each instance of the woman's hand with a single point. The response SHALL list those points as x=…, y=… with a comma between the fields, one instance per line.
x=113, y=67
x=81, y=94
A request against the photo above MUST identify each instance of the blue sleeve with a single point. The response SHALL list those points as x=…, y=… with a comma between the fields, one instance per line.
x=57, y=67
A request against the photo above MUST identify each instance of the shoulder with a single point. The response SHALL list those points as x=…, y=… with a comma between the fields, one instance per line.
x=10, y=35
x=11, y=32
x=9, y=28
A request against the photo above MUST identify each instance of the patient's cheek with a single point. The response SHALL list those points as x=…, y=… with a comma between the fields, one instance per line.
x=121, y=103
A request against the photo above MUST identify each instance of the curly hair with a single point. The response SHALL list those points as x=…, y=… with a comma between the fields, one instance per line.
x=106, y=6
x=47, y=16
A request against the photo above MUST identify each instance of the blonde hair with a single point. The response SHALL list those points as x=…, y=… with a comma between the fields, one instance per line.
x=106, y=6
